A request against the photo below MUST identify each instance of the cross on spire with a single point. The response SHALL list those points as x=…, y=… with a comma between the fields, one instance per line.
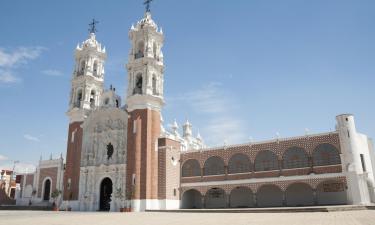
x=92, y=25
x=147, y=4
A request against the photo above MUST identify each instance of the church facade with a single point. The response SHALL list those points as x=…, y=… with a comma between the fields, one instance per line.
x=120, y=155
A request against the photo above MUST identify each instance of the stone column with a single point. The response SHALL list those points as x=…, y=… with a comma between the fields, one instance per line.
x=284, y=198
x=203, y=202
x=315, y=197
x=227, y=198
x=280, y=161
x=255, y=200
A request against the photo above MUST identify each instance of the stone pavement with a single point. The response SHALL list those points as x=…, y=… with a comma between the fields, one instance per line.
x=364, y=217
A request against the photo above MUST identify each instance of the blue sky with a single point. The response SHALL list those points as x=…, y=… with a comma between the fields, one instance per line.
x=235, y=69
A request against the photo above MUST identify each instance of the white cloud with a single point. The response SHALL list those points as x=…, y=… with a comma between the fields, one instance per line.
x=10, y=60
x=7, y=77
x=19, y=167
x=217, y=108
x=19, y=56
x=31, y=138
x=3, y=158
x=53, y=73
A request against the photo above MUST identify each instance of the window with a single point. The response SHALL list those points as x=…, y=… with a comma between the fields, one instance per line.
x=154, y=81
x=138, y=84
x=363, y=163
x=95, y=69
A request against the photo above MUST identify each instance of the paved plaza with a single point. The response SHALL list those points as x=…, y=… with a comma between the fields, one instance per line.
x=365, y=217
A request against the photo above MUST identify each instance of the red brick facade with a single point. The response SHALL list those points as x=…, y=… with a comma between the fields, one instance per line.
x=47, y=173
x=73, y=162
x=142, y=155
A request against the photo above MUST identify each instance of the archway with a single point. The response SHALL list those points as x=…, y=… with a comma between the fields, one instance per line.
x=47, y=190
x=215, y=198
x=331, y=193
x=105, y=194
x=266, y=161
x=239, y=163
x=214, y=166
x=241, y=197
x=192, y=199
x=326, y=154
x=299, y=194
x=269, y=196
x=295, y=157
x=191, y=168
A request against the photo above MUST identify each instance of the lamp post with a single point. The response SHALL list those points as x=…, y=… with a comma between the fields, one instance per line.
x=11, y=177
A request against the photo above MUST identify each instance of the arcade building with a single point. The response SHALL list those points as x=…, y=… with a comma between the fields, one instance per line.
x=119, y=155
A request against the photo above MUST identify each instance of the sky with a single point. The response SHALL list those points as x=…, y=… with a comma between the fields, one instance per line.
x=237, y=70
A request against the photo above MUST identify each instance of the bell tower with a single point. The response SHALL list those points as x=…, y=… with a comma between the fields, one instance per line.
x=87, y=87
x=144, y=103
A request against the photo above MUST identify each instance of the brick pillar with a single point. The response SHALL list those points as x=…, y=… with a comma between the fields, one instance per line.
x=311, y=165
x=226, y=172
x=280, y=167
x=255, y=199
x=284, y=198
x=203, y=202
x=227, y=198
x=315, y=197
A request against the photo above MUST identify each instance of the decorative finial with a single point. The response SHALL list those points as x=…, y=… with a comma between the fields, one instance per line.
x=147, y=4
x=92, y=25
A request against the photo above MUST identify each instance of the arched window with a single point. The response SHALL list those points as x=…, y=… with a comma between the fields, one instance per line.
x=79, y=99
x=239, y=163
x=154, y=89
x=295, y=157
x=138, y=84
x=265, y=161
x=140, y=50
x=191, y=168
x=82, y=68
x=214, y=166
x=95, y=69
x=326, y=154
x=92, y=99
x=117, y=103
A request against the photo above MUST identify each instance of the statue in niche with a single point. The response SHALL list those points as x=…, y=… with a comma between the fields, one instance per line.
x=109, y=150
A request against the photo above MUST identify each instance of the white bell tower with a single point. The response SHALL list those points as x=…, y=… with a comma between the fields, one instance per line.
x=88, y=77
x=145, y=66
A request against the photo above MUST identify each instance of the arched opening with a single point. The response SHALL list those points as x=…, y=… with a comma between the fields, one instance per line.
x=154, y=50
x=82, y=68
x=239, y=163
x=117, y=103
x=214, y=166
x=191, y=168
x=138, y=84
x=92, y=98
x=269, y=196
x=105, y=194
x=215, y=198
x=95, y=69
x=331, y=193
x=47, y=190
x=79, y=99
x=265, y=161
x=191, y=199
x=154, y=89
x=299, y=194
x=326, y=154
x=295, y=157
x=140, y=50
x=241, y=197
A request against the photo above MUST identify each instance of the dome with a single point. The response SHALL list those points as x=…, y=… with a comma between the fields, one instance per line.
x=146, y=21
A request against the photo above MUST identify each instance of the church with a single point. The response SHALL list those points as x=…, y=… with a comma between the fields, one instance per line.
x=119, y=155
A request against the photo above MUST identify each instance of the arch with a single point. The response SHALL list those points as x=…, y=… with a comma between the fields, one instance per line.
x=92, y=98
x=79, y=98
x=191, y=168
x=299, y=194
x=265, y=161
x=105, y=194
x=95, y=68
x=239, y=163
x=295, y=157
x=140, y=50
x=154, y=86
x=138, y=85
x=214, y=166
x=269, y=195
x=47, y=185
x=331, y=192
x=191, y=199
x=326, y=154
x=82, y=67
x=215, y=198
x=241, y=197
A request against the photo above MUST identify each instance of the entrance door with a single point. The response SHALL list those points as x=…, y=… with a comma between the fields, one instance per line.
x=47, y=190
x=105, y=194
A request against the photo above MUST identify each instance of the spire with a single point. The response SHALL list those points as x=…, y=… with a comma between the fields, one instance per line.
x=92, y=25
x=175, y=127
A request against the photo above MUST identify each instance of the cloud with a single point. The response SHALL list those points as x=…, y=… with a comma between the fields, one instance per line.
x=53, y=73
x=7, y=77
x=19, y=167
x=3, y=158
x=216, y=107
x=31, y=138
x=11, y=60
